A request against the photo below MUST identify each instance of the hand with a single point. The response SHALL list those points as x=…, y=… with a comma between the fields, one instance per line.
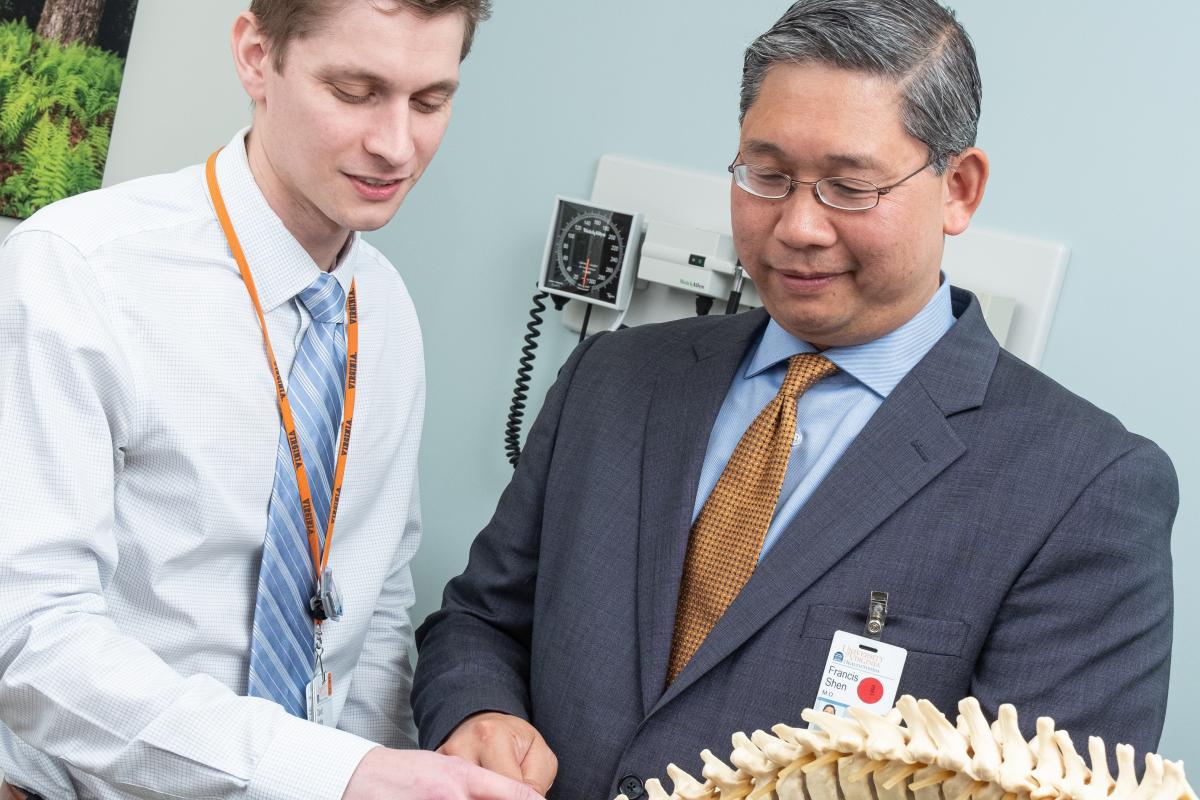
x=385, y=774
x=505, y=744
x=8, y=792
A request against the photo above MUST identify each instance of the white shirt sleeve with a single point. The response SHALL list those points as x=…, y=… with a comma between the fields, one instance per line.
x=73, y=685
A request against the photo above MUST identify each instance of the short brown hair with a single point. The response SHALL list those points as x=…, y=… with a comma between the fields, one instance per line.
x=281, y=21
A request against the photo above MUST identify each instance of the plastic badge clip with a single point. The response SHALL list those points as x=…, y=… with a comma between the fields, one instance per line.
x=877, y=614
x=327, y=602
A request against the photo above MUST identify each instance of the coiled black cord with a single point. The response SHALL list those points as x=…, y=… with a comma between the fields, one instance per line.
x=512, y=430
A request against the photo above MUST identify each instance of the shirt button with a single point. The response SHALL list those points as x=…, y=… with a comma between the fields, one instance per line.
x=631, y=787
x=798, y=439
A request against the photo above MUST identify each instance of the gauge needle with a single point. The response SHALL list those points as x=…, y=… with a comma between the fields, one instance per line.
x=587, y=265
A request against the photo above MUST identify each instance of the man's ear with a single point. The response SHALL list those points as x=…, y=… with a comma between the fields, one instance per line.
x=250, y=57
x=965, y=180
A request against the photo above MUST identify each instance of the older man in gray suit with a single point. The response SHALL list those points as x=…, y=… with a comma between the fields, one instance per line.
x=701, y=505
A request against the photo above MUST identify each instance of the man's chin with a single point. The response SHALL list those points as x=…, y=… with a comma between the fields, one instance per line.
x=818, y=330
x=370, y=219
x=367, y=227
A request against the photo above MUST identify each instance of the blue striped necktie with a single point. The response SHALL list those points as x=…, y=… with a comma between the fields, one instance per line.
x=281, y=648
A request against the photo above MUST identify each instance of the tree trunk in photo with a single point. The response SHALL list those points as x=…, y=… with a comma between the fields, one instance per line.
x=71, y=20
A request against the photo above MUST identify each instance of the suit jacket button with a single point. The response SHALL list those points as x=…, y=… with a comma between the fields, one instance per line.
x=631, y=787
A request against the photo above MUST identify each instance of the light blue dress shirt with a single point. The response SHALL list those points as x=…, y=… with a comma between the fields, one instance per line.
x=829, y=415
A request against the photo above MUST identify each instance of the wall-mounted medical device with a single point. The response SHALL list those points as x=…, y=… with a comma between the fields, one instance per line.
x=591, y=253
x=595, y=253
x=694, y=260
x=591, y=256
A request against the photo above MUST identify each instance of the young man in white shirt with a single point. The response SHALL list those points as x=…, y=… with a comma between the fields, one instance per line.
x=153, y=511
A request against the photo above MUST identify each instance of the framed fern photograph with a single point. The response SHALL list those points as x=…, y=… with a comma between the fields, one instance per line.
x=61, y=63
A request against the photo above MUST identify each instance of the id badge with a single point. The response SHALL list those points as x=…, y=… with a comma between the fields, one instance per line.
x=320, y=699
x=859, y=672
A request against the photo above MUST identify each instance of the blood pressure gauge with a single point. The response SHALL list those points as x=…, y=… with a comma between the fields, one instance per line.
x=590, y=253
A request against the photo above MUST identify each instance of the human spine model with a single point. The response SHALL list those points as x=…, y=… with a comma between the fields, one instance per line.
x=873, y=757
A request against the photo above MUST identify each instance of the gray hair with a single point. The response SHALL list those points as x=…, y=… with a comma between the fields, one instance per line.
x=917, y=43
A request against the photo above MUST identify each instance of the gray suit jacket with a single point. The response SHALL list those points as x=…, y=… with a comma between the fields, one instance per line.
x=1021, y=533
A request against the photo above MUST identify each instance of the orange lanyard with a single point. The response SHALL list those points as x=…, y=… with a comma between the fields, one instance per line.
x=320, y=557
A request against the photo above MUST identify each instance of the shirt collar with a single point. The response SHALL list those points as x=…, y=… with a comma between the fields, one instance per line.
x=880, y=364
x=280, y=265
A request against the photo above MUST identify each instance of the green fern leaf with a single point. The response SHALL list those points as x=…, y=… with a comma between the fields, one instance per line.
x=20, y=109
x=98, y=136
x=82, y=175
x=16, y=46
x=45, y=159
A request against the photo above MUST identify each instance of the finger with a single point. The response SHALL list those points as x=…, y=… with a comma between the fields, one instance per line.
x=498, y=754
x=457, y=747
x=488, y=745
x=467, y=741
x=484, y=785
x=467, y=744
x=540, y=766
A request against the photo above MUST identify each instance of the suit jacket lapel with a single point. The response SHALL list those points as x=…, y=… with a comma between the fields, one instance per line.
x=684, y=406
x=906, y=444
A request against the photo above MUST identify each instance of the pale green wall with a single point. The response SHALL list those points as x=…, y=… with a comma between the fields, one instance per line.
x=1090, y=116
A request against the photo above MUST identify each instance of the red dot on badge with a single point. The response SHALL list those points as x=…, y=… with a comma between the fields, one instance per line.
x=870, y=690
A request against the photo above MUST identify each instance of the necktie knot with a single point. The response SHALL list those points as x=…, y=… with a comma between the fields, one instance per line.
x=805, y=369
x=324, y=299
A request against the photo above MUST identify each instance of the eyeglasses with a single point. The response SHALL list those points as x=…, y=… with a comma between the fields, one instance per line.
x=846, y=194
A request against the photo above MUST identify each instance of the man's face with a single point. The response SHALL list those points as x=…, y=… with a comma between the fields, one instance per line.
x=355, y=115
x=832, y=277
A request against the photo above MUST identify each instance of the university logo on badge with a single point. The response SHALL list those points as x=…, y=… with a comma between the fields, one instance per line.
x=838, y=656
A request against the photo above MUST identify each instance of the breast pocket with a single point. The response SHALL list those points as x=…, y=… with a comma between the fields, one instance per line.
x=944, y=637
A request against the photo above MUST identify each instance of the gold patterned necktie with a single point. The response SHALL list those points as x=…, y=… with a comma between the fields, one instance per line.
x=727, y=537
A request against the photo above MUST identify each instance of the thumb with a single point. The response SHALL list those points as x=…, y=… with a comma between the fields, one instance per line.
x=539, y=766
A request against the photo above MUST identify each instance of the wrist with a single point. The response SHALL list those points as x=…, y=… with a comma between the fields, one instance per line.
x=306, y=760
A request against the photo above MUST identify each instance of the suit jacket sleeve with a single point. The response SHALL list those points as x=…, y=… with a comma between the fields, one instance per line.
x=1085, y=633
x=474, y=652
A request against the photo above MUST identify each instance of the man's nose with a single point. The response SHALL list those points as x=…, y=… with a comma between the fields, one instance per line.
x=391, y=137
x=804, y=221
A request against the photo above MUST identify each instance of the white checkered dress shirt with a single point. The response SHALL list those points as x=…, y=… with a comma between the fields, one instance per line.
x=138, y=433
